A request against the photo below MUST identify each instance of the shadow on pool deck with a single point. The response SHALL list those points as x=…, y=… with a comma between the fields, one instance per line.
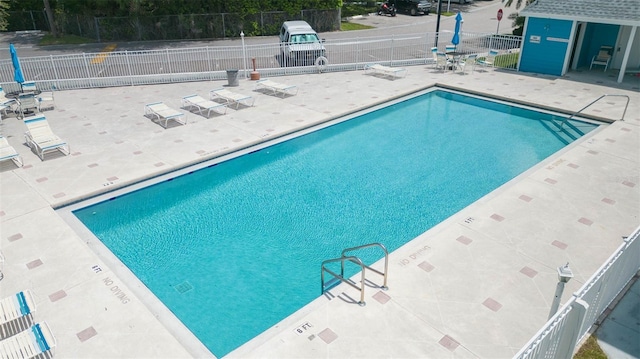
x=479, y=284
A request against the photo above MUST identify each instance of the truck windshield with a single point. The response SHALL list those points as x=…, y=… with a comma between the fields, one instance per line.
x=304, y=38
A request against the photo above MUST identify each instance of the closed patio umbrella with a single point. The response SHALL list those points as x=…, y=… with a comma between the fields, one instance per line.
x=456, y=33
x=17, y=70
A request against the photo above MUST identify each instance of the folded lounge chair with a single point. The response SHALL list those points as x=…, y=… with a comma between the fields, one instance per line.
x=31, y=343
x=276, y=87
x=231, y=97
x=387, y=71
x=203, y=105
x=602, y=58
x=16, y=313
x=162, y=113
x=40, y=137
x=7, y=152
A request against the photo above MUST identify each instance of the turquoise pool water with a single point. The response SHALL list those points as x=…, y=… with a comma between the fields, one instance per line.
x=234, y=248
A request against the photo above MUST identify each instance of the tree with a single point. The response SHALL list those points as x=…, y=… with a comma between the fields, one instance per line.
x=52, y=24
x=518, y=21
x=4, y=21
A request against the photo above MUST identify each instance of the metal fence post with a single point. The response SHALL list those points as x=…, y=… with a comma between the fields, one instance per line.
x=126, y=56
x=53, y=65
x=95, y=20
x=169, y=62
x=86, y=65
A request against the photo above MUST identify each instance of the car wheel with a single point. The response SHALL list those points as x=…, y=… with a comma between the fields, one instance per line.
x=414, y=11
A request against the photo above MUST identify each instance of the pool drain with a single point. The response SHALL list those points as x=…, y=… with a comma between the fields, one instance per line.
x=183, y=287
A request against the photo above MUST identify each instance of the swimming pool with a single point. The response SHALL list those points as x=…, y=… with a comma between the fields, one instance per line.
x=244, y=239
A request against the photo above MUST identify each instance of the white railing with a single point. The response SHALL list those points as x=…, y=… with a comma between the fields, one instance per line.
x=560, y=335
x=130, y=68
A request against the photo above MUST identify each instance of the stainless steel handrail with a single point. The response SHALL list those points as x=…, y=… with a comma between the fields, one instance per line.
x=353, y=259
x=343, y=258
x=386, y=260
x=596, y=100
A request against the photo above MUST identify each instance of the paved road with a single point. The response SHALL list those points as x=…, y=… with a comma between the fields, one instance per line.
x=479, y=16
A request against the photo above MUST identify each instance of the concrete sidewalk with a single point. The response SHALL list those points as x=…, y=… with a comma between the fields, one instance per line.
x=479, y=284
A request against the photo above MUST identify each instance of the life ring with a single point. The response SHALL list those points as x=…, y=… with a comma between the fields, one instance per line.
x=321, y=63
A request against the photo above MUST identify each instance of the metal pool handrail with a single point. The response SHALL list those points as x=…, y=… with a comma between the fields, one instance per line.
x=343, y=258
x=596, y=100
x=386, y=260
x=353, y=259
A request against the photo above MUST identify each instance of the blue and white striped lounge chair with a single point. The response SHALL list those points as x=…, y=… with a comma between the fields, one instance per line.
x=37, y=341
x=201, y=105
x=16, y=313
x=41, y=139
x=162, y=114
x=7, y=152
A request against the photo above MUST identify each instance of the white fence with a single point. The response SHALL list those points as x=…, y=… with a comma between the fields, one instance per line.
x=560, y=335
x=130, y=68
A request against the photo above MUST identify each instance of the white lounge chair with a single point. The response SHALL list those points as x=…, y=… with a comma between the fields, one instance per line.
x=162, y=114
x=16, y=313
x=450, y=48
x=37, y=341
x=41, y=139
x=203, y=105
x=7, y=152
x=387, y=71
x=602, y=58
x=230, y=97
x=276, y=87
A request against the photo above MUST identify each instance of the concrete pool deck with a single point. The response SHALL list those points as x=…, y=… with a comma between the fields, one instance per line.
x=479, y=285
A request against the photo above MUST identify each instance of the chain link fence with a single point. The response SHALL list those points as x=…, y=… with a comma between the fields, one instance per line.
x=174, y=27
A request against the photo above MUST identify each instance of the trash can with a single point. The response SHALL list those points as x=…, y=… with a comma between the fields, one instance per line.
x=232, y=77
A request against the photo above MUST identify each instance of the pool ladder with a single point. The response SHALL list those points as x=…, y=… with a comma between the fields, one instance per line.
x=353, y=259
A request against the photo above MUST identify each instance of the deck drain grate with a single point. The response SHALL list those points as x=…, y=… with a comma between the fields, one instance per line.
x=183, y=287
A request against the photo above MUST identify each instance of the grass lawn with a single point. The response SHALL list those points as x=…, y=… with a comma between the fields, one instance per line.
x=348, y=26
x=48, y=39
x=590, y=350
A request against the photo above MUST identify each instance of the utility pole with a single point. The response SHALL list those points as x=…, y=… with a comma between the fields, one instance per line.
x=438, y=22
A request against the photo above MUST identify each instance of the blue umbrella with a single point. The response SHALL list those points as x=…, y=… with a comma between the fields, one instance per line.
x=17, y=74
x=456, y=33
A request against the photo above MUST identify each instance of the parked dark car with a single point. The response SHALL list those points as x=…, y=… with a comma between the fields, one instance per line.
x=413, y=7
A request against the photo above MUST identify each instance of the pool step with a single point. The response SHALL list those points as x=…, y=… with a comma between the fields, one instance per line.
x=564, y=130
